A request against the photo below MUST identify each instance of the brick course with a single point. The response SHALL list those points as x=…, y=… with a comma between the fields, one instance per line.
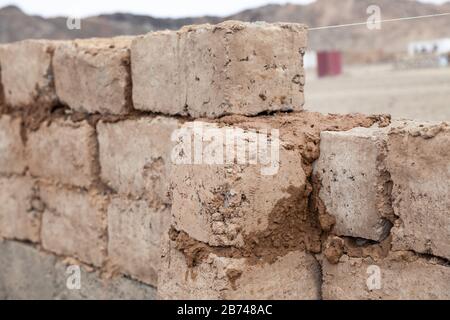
x=229, y=68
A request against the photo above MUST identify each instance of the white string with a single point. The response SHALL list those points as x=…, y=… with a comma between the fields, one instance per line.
x=378, y=21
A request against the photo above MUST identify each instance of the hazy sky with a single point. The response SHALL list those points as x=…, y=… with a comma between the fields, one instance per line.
x=160, y=8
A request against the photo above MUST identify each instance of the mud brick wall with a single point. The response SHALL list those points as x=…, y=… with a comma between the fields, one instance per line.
x=88, y=130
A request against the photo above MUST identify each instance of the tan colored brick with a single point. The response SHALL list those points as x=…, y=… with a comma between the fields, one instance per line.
x=355, y=186
x=12, y=149
x=293, y=276
x=134, y=233
x=213, y=70
x=135, y=156
x=418, y=161
x=20, y=209
x=64, y=152
x=220, y=204
x=27, y=72
x=74, y=224
x=401, y=276
x=93, y=75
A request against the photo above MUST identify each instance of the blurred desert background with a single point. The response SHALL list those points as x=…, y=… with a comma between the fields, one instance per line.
x=402, y=69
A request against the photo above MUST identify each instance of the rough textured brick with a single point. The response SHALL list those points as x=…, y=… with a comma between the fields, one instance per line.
x=293, y=276
x=134, y=232
x=418, y=161
x=27, y=72
x=64, y=152
x=74, y=223
x=12, y=150
x=135, y=156
x=20, y=209
x=93, y=75
x=355, y=186
x=403, y=276
x=212, y=70
x=221, y=204
x=27, y=273
x=216, y=196
x=158, y=84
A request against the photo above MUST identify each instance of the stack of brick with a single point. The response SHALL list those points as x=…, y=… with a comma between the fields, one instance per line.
x=90, y=174
x=242, y=232
x=86, y=129
x=81, y=176
x=388, y=190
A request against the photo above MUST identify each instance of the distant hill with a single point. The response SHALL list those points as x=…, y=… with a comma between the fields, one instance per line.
x=358, y=42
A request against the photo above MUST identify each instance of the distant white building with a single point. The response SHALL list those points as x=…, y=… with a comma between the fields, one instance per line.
x=310, y=60
x=436, y=46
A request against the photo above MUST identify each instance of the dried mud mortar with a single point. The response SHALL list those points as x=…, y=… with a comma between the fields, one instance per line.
x=297, y=222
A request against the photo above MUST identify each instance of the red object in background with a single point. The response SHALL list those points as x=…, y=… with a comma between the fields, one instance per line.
x=329, y=63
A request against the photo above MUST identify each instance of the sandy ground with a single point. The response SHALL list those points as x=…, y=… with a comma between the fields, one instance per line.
x=422, y=94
